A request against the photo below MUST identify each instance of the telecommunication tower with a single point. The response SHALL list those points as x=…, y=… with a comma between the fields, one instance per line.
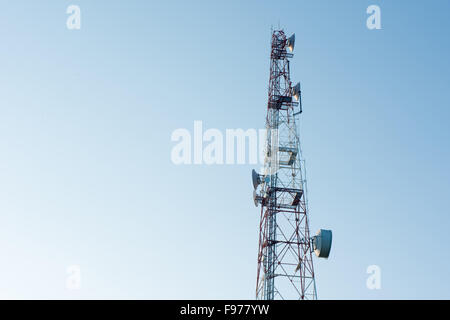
x=285, y=265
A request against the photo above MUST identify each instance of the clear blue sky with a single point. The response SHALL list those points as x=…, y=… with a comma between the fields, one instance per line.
x=85, y=124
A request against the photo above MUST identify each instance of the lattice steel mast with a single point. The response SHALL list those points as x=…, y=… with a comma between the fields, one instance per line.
x=285, y=266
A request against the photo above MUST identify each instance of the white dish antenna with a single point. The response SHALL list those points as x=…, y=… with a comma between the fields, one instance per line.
x=256, y=179
x=296, y=90
x=290, y=43
x=256, y=199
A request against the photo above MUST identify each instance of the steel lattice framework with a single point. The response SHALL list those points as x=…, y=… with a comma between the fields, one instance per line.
x=285, y=266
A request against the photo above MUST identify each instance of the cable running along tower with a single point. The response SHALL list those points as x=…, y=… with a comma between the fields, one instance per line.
x=285, y=265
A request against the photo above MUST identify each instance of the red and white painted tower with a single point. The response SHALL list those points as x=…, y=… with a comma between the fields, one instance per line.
x=285, y=264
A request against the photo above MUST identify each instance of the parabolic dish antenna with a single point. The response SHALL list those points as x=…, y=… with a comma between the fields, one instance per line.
x=322, y=243
x=255, y=198
x=256, y=179
x=290, y=43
